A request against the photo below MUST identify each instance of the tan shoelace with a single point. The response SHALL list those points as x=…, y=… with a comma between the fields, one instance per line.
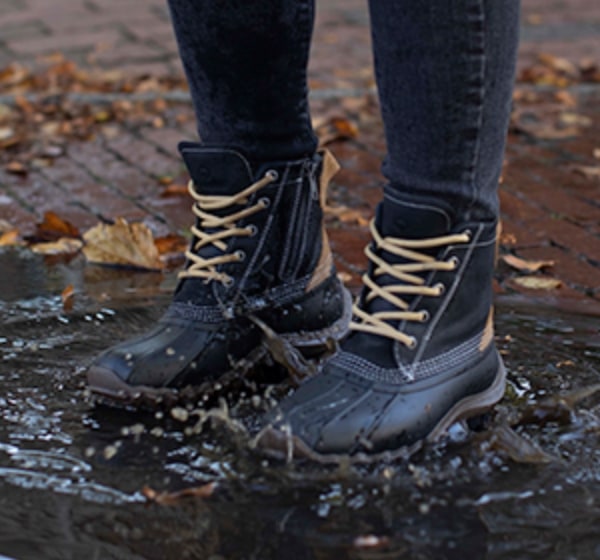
x=224, y=226
x=409, y=283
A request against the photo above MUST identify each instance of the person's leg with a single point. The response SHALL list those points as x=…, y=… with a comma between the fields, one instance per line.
x=246, y=67
x=259, y=254
x=420, y=353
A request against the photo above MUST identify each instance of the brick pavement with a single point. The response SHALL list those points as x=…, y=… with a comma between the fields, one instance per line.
x=550, y=212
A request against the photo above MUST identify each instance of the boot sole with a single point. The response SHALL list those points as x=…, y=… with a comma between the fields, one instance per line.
x=275, y=443
x=108, y=388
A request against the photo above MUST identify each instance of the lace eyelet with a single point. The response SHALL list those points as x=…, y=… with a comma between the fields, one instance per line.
x=241, y=255
x=425, y=316
x=264, y=202
x=455, y=261
x=252, y=230
x=412, y=344
x=272, y=174
x=469, y=234
x=229, y=282
x=440, y=288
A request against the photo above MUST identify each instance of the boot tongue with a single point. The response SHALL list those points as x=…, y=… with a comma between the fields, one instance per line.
x=216, y=170
x=411, y=220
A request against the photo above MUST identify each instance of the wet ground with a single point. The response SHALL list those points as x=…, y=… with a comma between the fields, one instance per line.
x=72, y=475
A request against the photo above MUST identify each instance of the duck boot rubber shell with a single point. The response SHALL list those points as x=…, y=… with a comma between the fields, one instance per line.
x=420, y=353
x=259, y=256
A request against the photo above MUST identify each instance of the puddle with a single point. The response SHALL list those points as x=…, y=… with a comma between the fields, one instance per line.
x=72, y=475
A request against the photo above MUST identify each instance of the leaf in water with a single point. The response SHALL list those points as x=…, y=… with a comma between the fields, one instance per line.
x=68, y=296
x=538, y=282
x=173, y=498
x=62, y=246
x=122, y=244
x=555, y=408
x=53, y=227
x=517, y=447
x=525, y=265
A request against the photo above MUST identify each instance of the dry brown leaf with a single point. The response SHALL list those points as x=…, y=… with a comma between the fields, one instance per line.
x=171, y=243
x=62, y=246
x=538, y=282
x=588, y=171
x=9, y=238
x=574, y=119
x=53, y=227
x=525, y=265
x=559, y=64
x=331, y=128
x=565, y=98
x=16, y=168
x=122, y=244
x=173, y=498
x=5, y=226
x=68, y=296
x=346, y=215
x=174, y=190
x=596, y=153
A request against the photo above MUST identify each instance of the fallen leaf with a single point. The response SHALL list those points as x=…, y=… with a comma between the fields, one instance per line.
x=122, y=244
x=67, y=297
x=173, y=498
x=588, y=171
x=331, y=128
x=174, y=190
x=559, y=64
x=565, y=98
x=574, y=119
x=346, y=215
x=596, y=153
x=6, y=133
x=171, y=243
x=53, y=227
x=538, y=282
x=517, y=447
x=525, y=265
x=9, y=238
x=16, y=168
x=62, y=246
x=5, y=226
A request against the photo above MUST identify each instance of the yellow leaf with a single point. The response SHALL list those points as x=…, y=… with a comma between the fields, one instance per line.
x=525, y=265
x=538, y=282
x=122, y=244
x=10, y=237
x=63, y=246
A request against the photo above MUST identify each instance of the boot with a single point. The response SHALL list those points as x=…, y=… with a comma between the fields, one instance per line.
x=259, y=256
x=420, y=353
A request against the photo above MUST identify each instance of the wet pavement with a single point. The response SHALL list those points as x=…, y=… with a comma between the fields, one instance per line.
x=72, y=475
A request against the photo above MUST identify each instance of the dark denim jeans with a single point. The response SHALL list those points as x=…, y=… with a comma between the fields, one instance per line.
x=444, y=72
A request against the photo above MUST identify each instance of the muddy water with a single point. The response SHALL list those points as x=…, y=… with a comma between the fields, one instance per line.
x=527, y=485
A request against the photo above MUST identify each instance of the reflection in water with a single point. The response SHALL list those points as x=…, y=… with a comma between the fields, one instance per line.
x=71, y=474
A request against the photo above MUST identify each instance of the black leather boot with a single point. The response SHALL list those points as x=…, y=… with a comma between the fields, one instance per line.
x=259, y=256
x=420, y=354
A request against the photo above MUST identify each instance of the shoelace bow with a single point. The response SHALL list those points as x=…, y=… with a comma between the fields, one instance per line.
x=223, y=228
x=408, y=282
